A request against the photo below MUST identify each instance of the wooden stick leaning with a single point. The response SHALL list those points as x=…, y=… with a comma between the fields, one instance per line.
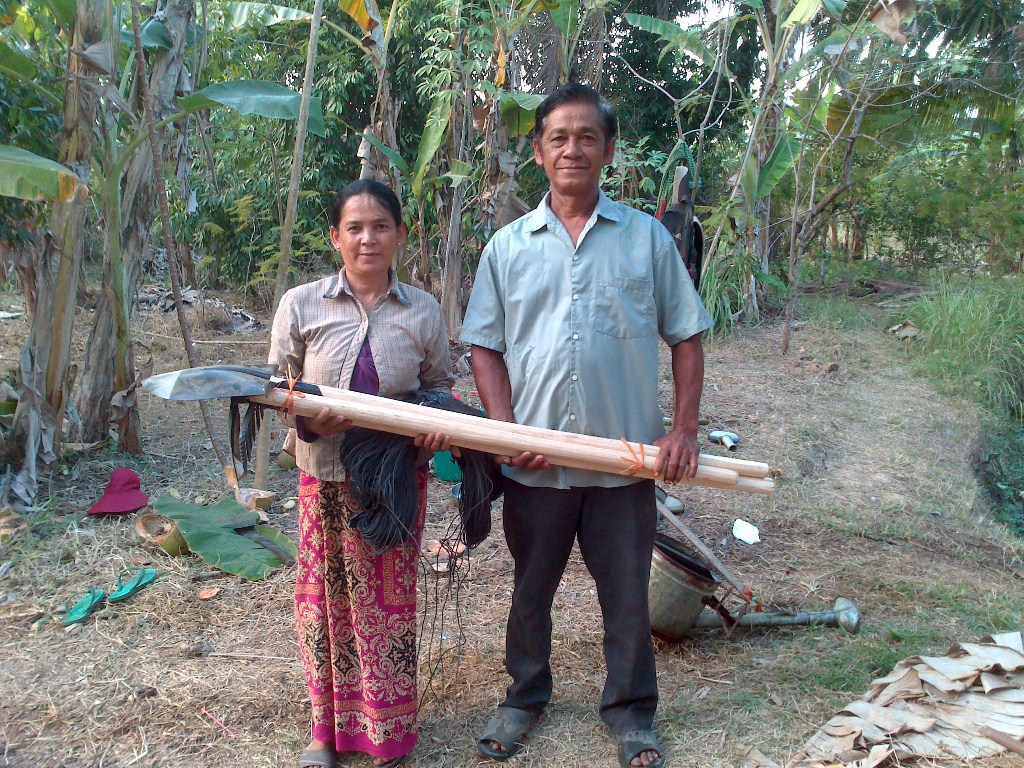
x=754, y=469
x=497, y=437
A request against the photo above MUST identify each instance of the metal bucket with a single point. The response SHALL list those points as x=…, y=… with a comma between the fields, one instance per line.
x=678, y=583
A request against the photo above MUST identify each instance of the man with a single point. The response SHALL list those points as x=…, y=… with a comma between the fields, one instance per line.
x=564, y=320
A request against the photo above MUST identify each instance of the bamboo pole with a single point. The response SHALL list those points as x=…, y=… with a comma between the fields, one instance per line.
x=751, y=469
x=497, y=437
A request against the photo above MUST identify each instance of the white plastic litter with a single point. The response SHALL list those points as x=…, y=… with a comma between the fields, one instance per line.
x=745, y=532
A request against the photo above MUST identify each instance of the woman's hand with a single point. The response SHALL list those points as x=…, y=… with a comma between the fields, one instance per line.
x=327, y=423
x=435, y=443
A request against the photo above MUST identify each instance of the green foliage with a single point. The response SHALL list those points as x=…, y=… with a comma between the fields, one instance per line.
x=631, y=178
x=433, y=134
x=214, y=533
x=518, y=111
x=778, y=163
x=958, y=204
x=848, y=664
x=1001, y=468
x=841, y=315
x=974, y=338
x=681, y=151
x=15, y=63
x=723, y=283
x=644, y=109
x=28, y=119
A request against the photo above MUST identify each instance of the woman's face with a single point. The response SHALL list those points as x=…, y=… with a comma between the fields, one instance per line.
x=366, y=237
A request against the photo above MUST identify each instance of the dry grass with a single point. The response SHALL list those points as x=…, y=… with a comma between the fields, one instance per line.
x=876, y=502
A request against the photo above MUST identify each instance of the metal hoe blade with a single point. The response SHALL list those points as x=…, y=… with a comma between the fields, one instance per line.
x=209, y=383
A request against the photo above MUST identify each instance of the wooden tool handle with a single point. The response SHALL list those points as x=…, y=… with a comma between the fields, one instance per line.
x=496, y=437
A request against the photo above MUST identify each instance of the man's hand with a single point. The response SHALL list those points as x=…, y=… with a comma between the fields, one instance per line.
x=678, y=455
x=492, y=382
x=326, y=423
x=524, y=460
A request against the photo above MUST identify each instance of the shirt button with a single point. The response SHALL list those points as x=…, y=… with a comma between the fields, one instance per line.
x=575, y=296
x=572, y=417
x=575, y=337
x=574, y=377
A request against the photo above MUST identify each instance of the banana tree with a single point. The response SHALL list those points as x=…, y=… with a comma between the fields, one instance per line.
x=568, y=44
x=384, y=110
x=129, y=197
x=46, y=375
x=32, y=176
x=790, y=46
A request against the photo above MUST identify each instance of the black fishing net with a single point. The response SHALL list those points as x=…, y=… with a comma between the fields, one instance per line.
x=379, y=467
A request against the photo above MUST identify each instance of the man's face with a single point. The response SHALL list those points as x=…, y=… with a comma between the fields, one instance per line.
x=573, y=149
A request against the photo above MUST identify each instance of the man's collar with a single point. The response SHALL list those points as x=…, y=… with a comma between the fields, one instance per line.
x=538, y=217
x=340, y=285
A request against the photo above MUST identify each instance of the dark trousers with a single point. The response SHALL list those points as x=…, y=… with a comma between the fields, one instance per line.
x=615, y=528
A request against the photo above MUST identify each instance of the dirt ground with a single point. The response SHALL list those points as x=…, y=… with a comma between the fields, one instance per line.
x=876, y=502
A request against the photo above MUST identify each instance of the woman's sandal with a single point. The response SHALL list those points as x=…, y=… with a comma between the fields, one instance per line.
x=84, y=607
x=125, y=588
x=632, y=743
x=316, y=758
x=509, y=728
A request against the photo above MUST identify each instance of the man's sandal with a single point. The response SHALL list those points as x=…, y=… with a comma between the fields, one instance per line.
x=632, y=743
x=508, y=728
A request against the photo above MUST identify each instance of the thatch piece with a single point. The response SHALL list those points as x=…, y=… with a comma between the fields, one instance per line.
x=966, y=704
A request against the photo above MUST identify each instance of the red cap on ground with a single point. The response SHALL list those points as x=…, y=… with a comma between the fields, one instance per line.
x=122, y=494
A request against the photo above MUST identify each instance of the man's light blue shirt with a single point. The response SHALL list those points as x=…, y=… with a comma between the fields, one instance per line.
x=579, y=326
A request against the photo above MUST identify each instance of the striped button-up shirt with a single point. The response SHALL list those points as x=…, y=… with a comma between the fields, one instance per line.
x=319, y=329
x=578, y=325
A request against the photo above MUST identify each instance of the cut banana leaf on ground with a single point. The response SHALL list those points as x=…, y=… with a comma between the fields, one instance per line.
x=229, y=536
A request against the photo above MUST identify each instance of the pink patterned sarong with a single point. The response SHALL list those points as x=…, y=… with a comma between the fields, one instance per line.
x=356, y=618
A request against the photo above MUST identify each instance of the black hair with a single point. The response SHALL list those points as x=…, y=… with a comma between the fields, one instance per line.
x=379, y=192
x=571, y=93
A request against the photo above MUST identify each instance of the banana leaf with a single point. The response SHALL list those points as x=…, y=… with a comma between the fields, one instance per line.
x=30, y=177
x=518, y=110
x=213, y=533
x=15, y=63
x=257, y=97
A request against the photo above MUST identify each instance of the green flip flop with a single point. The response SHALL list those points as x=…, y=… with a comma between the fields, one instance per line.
x=138, y=578
x=84, y=607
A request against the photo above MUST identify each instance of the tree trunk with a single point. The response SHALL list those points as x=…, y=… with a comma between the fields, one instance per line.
x=383, y=114
x=109, y=366
x=451, y=289
x=461, y=138
x=262, y=459
x=46, y=375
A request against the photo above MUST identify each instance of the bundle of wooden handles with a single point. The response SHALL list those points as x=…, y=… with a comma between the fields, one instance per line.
x=502, y=438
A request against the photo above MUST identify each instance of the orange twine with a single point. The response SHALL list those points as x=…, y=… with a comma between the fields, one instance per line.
x=289, y=402
x=636, y=462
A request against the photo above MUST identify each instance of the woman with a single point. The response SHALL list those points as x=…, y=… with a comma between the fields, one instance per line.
x=355, y=607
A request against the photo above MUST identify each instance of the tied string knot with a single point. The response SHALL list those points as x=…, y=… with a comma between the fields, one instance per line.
x=636, y=461
x=289, y=401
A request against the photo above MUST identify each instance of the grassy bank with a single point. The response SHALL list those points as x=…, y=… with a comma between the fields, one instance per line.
x=973, y=341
